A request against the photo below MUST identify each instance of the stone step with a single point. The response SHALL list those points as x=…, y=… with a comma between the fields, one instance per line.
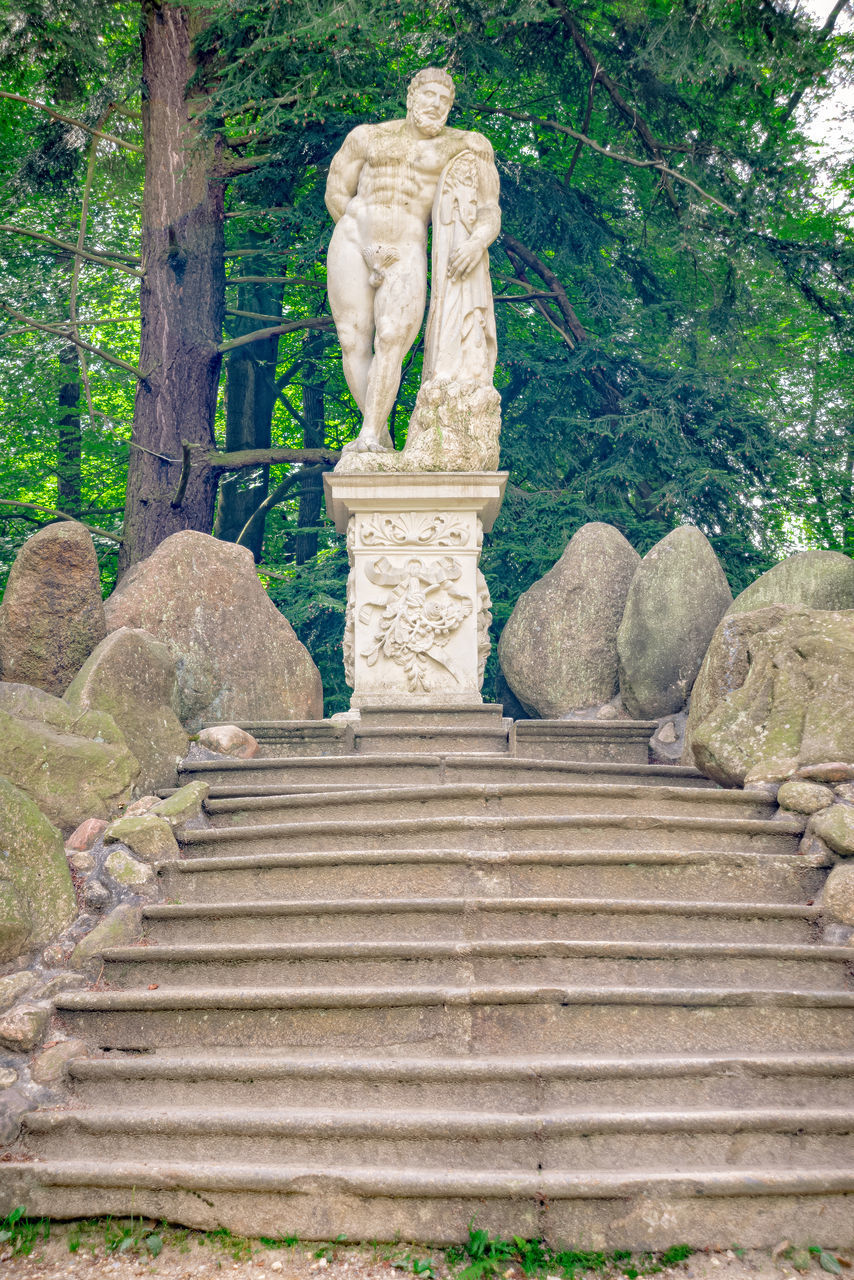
x=552, y=831
x=465, y=1019
x=520, y=1083
x=638, y=1209
x=296, y=773
x=612, y=1140
x=672, y=874
x=491, y=799
x=395, y=964
x=460, y=918
x=618, y=740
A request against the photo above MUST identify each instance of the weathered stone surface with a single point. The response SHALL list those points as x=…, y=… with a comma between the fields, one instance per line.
x=60, y=982
x=95, y=895
x=120, y=928
x=127, y=871
x=132, y=677
x=795, y=707
x=149, y=836
x=86, y=834
x=237, y=656
x=837, y=897
x=8, y=1077
x=804, y=797
x=142, y=805
x=73, y=764
x=676, y=599
x=558, y=650
x=15, y=985
x=24, y=1026
x=184, y=805
x=49, y=1066
x=832, y=771
x=52, y=614
x=835, y=826
x=812, y=579
x=15, y=926
x=34, y=864
x=229, y=740
x=82, y=861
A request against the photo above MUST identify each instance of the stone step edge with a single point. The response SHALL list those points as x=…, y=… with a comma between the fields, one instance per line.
x=405, y=949
x=499, y=760
x=483, y=1067
x=781, y=826
x=364, y=996
x=471, y=905
x=399, y=1183
x=494, y=857
x=434, y=1122
x=452, y=791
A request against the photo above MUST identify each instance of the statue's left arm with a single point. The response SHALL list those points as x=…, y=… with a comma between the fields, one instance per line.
x=488, y=220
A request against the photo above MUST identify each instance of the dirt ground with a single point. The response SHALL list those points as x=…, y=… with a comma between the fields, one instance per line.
x=117, y=1251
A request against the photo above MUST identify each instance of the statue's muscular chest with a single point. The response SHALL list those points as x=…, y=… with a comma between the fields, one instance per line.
x=420, y=160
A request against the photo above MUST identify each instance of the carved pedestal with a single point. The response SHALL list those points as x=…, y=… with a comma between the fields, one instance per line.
x=417, y=604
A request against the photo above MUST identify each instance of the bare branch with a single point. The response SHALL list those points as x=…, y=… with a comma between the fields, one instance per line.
x=61, y=515
x=242, y=458
x=75, y=274
x=301, y=280
x=116, y=262
x=549, y=278
x=291, y=326
x=78, y=342
x=250, y=315
x=277, y=495
x=78, y=124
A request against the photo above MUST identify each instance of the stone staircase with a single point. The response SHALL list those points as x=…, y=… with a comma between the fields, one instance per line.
x=417, y=972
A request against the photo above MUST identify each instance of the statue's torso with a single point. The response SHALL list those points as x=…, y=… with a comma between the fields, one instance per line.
x=398, y=181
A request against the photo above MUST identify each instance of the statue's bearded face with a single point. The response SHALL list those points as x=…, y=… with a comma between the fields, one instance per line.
x=429, y=105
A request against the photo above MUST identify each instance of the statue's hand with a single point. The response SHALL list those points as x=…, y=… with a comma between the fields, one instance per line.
x=465, y=259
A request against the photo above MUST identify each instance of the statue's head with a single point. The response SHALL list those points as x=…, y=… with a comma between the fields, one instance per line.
x=429, y=100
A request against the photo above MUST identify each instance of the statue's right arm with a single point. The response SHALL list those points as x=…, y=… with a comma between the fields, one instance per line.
x=343, y=180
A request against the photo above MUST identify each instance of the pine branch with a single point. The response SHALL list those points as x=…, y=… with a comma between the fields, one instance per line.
x=78, y=124
x=657, y=165
x=116, y=262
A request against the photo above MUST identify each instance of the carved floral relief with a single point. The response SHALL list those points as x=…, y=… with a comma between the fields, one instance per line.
x=415, y=529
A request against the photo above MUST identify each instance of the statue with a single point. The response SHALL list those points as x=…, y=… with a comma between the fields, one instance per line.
x=386, y=185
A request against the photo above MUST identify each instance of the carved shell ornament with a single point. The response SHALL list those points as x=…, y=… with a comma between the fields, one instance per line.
x=414, y=528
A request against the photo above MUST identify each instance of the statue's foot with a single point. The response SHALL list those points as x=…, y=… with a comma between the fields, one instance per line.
x=366, y=444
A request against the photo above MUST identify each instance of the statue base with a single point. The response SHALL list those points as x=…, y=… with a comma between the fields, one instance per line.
x=454, y=427
x=418, y=608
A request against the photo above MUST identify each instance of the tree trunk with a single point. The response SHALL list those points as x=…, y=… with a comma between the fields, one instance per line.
x=249, y=402
x=314, y=432
x=68, y=448
x=182, y=297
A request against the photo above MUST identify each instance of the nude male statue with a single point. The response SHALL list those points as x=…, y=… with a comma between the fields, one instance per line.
x=380, y=193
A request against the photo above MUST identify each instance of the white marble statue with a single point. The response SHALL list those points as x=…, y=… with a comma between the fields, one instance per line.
x=386, y=185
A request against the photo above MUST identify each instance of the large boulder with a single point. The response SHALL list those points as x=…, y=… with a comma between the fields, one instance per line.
x=52, y=614
x=813, y=579
x=795, y=706
x=237, y=657
x=677, y=597
x=132, y=677
x=558, y=650
x=72, y=764
x=33, y=866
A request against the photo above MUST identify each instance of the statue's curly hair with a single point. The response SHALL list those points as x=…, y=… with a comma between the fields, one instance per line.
x=425, y=75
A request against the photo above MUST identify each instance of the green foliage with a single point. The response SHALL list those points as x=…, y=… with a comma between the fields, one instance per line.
x=21, y=1234
x=483, y=1256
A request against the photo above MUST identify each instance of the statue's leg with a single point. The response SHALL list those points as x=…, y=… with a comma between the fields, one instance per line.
x=398, y=313
x=351, y=300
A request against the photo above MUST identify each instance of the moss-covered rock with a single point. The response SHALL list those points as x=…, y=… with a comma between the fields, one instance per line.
x=147, y=835
x=15, y=923
x=676, y=600
x=804, y=797
x=183, y=805
x=132, y=677
x=52, y=614
x=835, y=826
x=120, y=928
x=127, y=871
x=558, y=650
x=15, y=985
x=812, y=579
x=237, y=656
x=32, y=857
x=24, y=1026
x=794, y=708
x=837, y=897
x=73, y=764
